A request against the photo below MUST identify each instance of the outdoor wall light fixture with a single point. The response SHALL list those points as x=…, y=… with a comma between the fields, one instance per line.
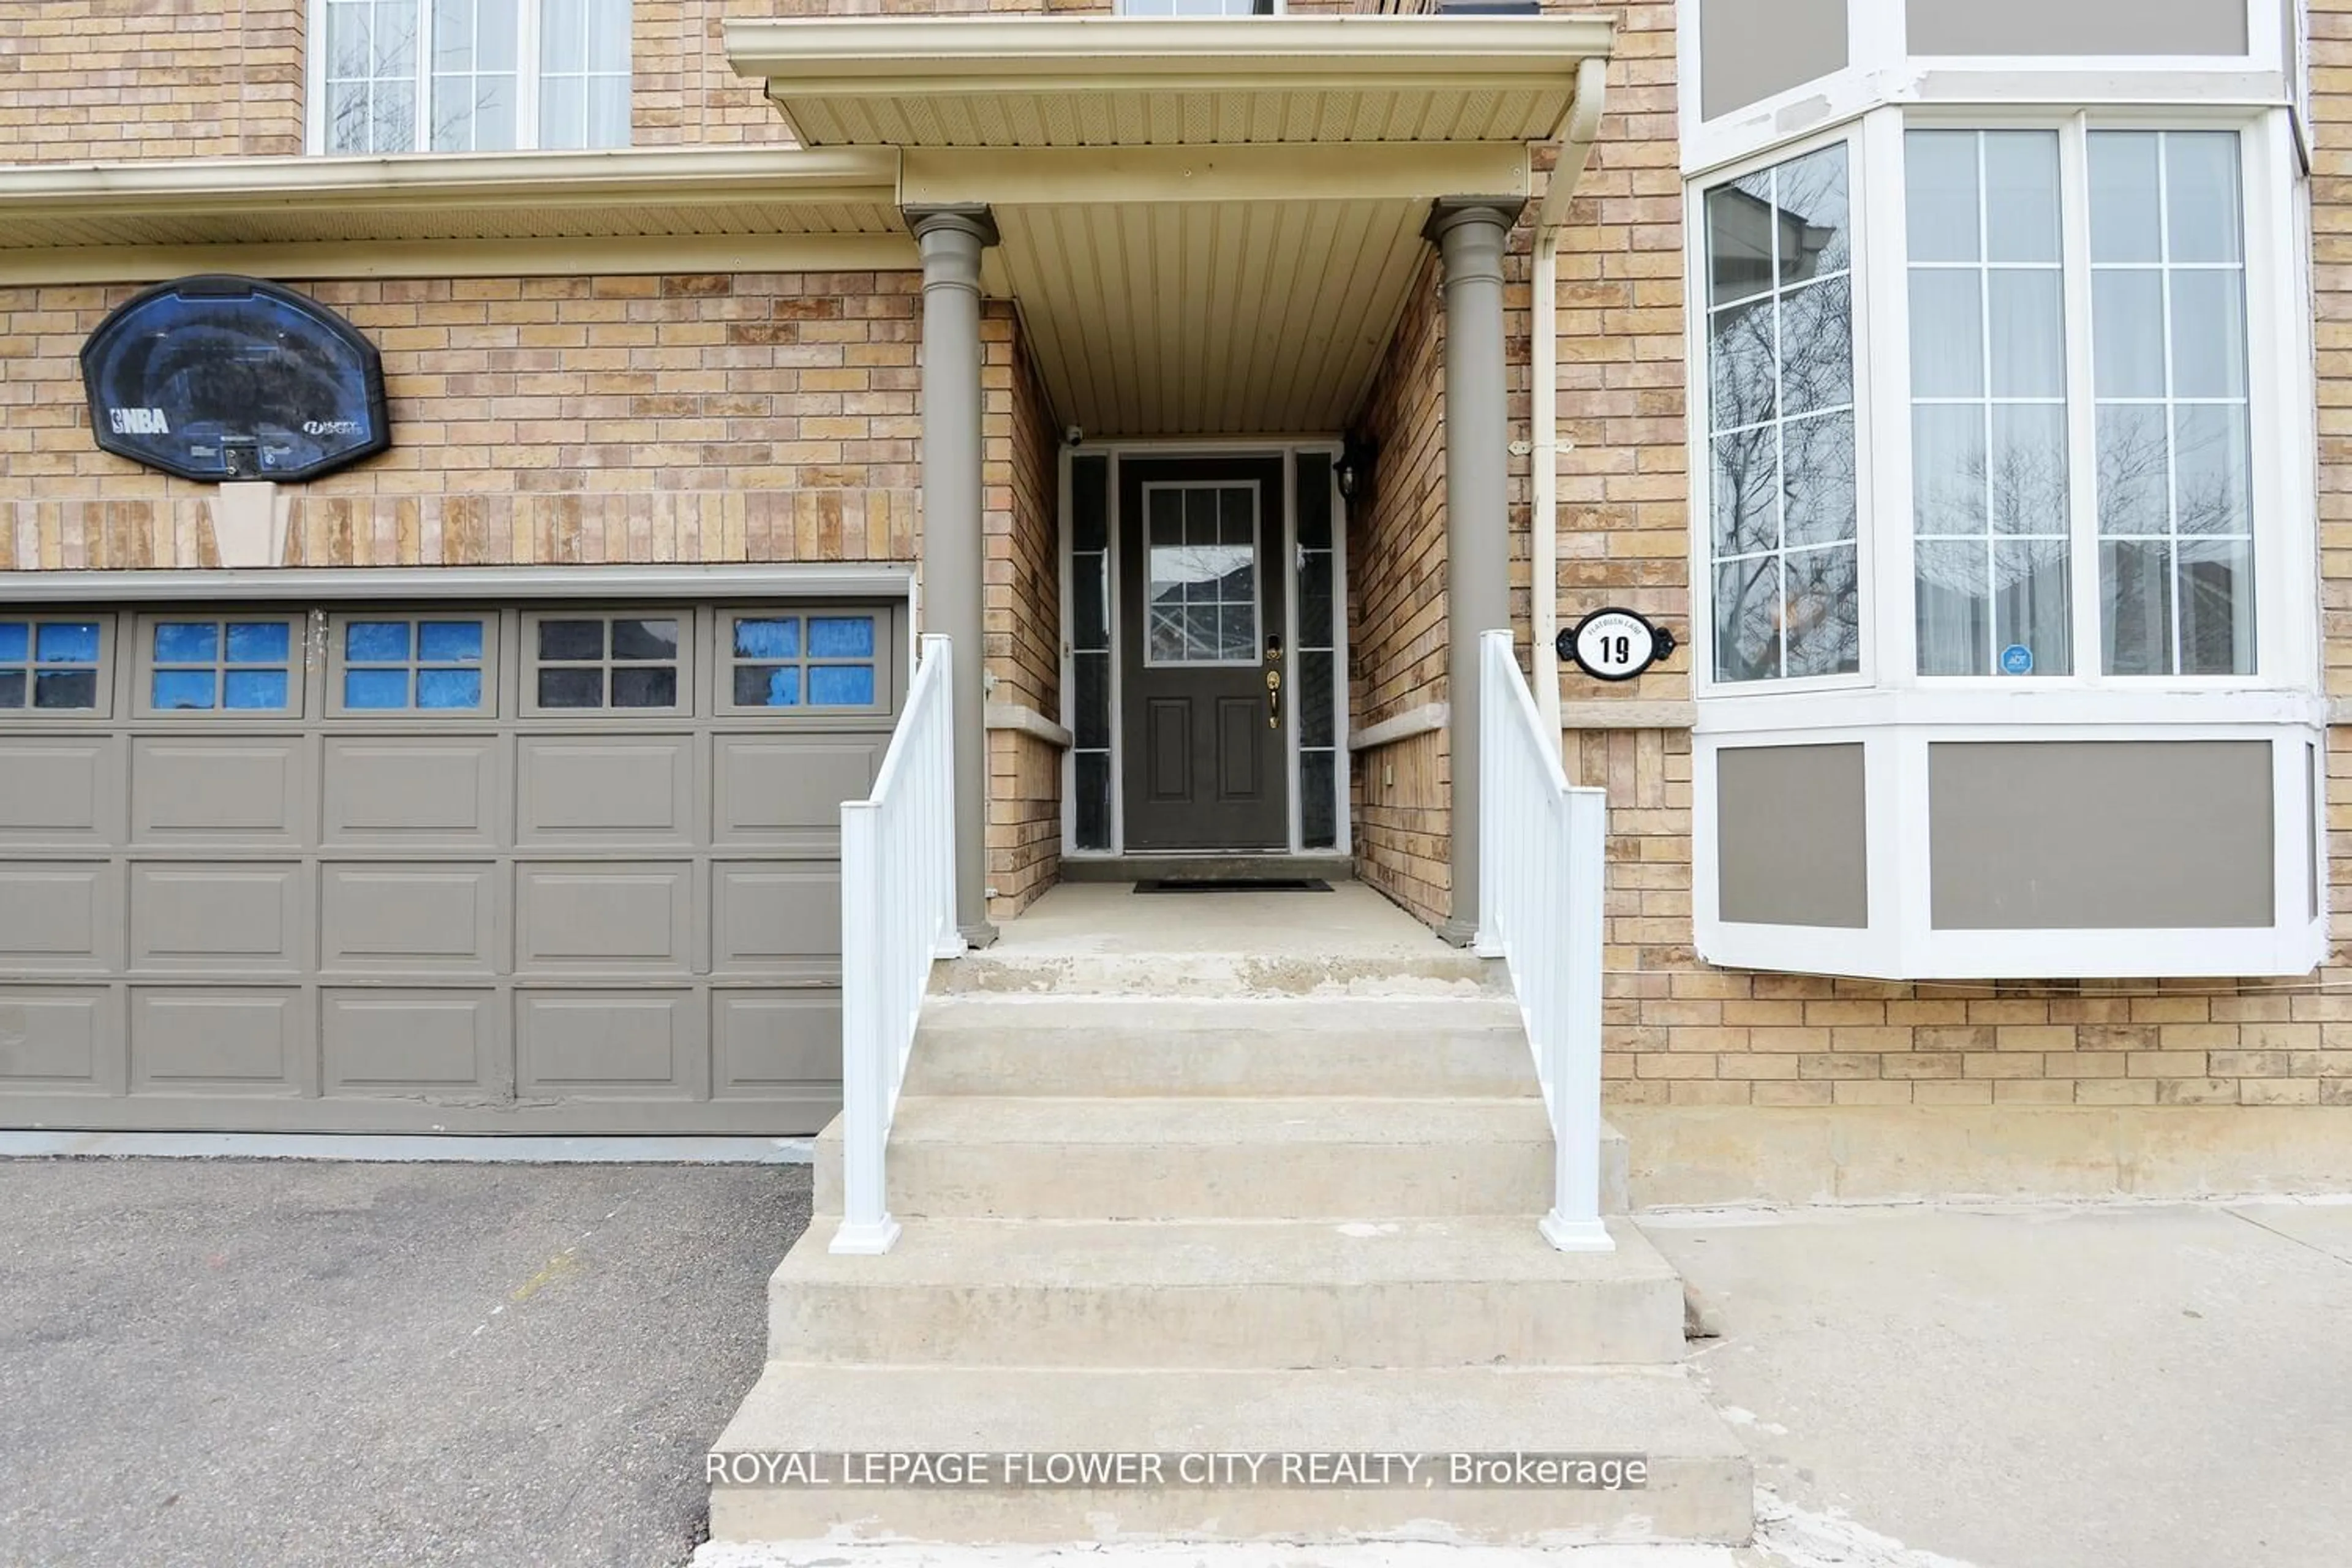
x=1355, y=470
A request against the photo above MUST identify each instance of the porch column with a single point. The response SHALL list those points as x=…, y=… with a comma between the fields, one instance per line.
x=954, y=563
x=1470, y=233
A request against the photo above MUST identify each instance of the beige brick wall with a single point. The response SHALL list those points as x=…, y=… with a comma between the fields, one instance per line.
x=84, y=79
x=1681, y=1033
x=1396, y=617
x=685, y=417
x=1022, y=454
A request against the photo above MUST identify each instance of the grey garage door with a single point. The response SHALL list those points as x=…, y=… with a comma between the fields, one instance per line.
x=567, y=868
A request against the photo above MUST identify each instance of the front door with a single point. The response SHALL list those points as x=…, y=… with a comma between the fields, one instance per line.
x=1205, y=731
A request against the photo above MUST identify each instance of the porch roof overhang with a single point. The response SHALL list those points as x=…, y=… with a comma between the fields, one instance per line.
x=462, y=214
x=1210, y=226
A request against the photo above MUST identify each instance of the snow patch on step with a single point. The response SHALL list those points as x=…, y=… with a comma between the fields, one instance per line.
x=1793, y=1537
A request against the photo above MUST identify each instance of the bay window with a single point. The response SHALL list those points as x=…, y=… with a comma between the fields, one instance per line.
x=2061, y=354
x=468, y=75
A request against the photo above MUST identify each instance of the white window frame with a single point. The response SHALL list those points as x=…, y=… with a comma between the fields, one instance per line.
x=1861, y=277
x=1880, y=70
x=2285, y=586
x=527, y=80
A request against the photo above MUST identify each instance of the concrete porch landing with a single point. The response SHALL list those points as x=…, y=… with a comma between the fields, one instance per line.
x=1105, y=937
x=1226, y=1172
x=1096, y=919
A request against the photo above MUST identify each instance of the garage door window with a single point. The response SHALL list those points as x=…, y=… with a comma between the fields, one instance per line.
x=50, y=666
x=803, y=661
x=413, y=665
x=220, y=666
x=605, y=661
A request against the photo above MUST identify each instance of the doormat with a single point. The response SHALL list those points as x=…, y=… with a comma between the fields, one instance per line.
x=1251, y=885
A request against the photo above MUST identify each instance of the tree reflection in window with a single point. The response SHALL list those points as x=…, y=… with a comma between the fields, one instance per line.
x=1782, y=447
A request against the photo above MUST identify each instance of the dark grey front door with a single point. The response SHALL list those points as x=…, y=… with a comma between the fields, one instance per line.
x=1202, y=623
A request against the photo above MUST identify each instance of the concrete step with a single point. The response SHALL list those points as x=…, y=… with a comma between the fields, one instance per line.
x=1471, y=1291
x=1431, y=969
x=1042, y=1045
x=1188, y=1157
x=1699, y=1481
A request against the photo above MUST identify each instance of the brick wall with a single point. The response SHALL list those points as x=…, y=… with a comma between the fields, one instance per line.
x=1682, y=1033
x=685, y=92
x=1021, y=458
x=1396, y=616
x=82, y=80
x=687, y=417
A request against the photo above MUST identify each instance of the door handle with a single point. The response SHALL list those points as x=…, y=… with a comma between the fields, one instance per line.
x=1274, y=683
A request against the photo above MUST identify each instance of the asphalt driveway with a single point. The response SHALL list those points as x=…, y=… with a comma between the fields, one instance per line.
x=277, y=1362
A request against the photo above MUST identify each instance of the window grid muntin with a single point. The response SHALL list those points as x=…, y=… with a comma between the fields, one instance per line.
x=1774, y=293
x=1991, y=535
x=221, y=667
x=482, y=665
x=2167, y=269
x=21, y=678
x=804, y=661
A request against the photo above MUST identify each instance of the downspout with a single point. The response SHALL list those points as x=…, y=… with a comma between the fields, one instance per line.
x=1543, y=579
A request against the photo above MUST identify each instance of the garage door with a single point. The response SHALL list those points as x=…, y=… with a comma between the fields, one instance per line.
x=570, y=869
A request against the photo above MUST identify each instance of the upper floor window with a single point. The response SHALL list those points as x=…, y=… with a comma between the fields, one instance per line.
x=2059, y=439
x=469, y=76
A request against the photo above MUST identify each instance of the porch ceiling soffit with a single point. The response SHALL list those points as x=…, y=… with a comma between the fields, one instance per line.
x=1236, y=205
x=460, y=214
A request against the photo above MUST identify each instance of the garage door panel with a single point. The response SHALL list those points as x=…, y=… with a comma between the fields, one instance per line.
x=441, y=1042
x=58, y=1040
x=409, y=917
x=766, y=1042
x=615, y=1045
x=58, y=916
x=785, y=791
x=57, y=791
x=248, y=790
x=636, y=789
x=217, y=1040
x=242, y=917
x=777, y=918
x=410, y=790
x=632, y=915
x=516, y=917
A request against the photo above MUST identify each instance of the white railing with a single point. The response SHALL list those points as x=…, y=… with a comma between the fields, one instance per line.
x=1540, y=850
x=897, y=915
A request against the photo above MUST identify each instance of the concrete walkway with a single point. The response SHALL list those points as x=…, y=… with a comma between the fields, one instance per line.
x=213, y=1363
x=2111, y=1386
